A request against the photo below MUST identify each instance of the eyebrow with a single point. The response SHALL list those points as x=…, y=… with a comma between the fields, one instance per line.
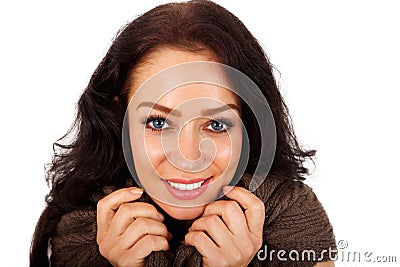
x=176, y=113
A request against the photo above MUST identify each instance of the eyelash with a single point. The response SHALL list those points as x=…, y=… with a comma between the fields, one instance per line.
x=151, y=118
x=225, y=121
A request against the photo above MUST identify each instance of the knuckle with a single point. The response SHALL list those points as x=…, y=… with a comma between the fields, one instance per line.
x=248, y=250
x=151, y=240
x=164, y=229
x=164, y=243
x=231, y=206
x=107, y=251
x=212, y=220
x=124, y=261
x=195, y=225
x=197, y=237
x=150, y=207
x=250, y=247
x=201, y=236
x=237, y=255
x=259, y=205
x=141, y=224
x=224, y=262
x=98, y=238
x=125, y=207
x=212, y=205
x=102, y=250
x=189, y=237
x=100, y=204
x=258, y=243
x=112, y=254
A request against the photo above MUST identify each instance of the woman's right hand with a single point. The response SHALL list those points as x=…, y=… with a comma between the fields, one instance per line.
x=127, y=232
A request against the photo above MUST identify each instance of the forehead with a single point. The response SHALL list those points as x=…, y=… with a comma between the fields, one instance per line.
x=164, y=58
x=208, y=95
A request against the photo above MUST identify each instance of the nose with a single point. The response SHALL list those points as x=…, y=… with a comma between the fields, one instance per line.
x=189, y=142
x=189, y=151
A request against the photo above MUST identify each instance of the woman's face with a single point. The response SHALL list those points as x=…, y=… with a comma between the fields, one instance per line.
x=186, y=146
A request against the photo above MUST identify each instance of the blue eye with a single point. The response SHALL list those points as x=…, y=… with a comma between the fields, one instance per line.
x=156, y=123
x=220, y=125
x=217, y=126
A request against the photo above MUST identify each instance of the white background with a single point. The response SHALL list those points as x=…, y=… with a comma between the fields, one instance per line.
x=339, y=73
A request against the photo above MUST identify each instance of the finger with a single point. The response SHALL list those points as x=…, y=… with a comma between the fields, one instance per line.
x=215, y=229
x=204, y=245
x=231, y=214
x=254, y=208
x=148, y=244
x=140, y=228
x=107, y=206
x=127, y=213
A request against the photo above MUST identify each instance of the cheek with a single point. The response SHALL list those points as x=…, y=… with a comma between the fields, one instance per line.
x=224, y=152
x=147, y=152
x=154, y=150
x=228, y=151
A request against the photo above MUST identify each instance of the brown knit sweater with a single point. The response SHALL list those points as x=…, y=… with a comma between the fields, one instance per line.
x=294, y=220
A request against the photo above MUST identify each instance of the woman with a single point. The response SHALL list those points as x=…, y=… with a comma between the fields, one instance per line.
x=97, y=215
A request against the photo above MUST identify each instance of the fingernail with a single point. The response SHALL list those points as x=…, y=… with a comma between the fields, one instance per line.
x=136, y=191
x=161, y=216
x=227, y=188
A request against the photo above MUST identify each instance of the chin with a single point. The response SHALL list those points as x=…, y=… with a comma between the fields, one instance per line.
x=182, y=213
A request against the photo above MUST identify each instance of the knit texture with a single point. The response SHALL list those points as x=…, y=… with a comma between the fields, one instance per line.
x=294, y=220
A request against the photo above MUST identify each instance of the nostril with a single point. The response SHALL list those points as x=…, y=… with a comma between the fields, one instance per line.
x=190, y=151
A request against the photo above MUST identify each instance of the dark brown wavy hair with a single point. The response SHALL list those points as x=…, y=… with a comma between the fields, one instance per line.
x=94, y=158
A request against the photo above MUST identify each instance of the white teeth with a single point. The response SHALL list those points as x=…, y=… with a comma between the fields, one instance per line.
x=186, y=186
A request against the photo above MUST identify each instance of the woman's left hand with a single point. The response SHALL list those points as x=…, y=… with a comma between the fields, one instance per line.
x=226, y=235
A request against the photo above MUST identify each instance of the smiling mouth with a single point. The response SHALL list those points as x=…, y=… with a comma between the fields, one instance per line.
x=185, y=187
x=187, y=184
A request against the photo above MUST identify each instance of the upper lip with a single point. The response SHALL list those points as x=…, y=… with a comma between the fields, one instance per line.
x=187, y=180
